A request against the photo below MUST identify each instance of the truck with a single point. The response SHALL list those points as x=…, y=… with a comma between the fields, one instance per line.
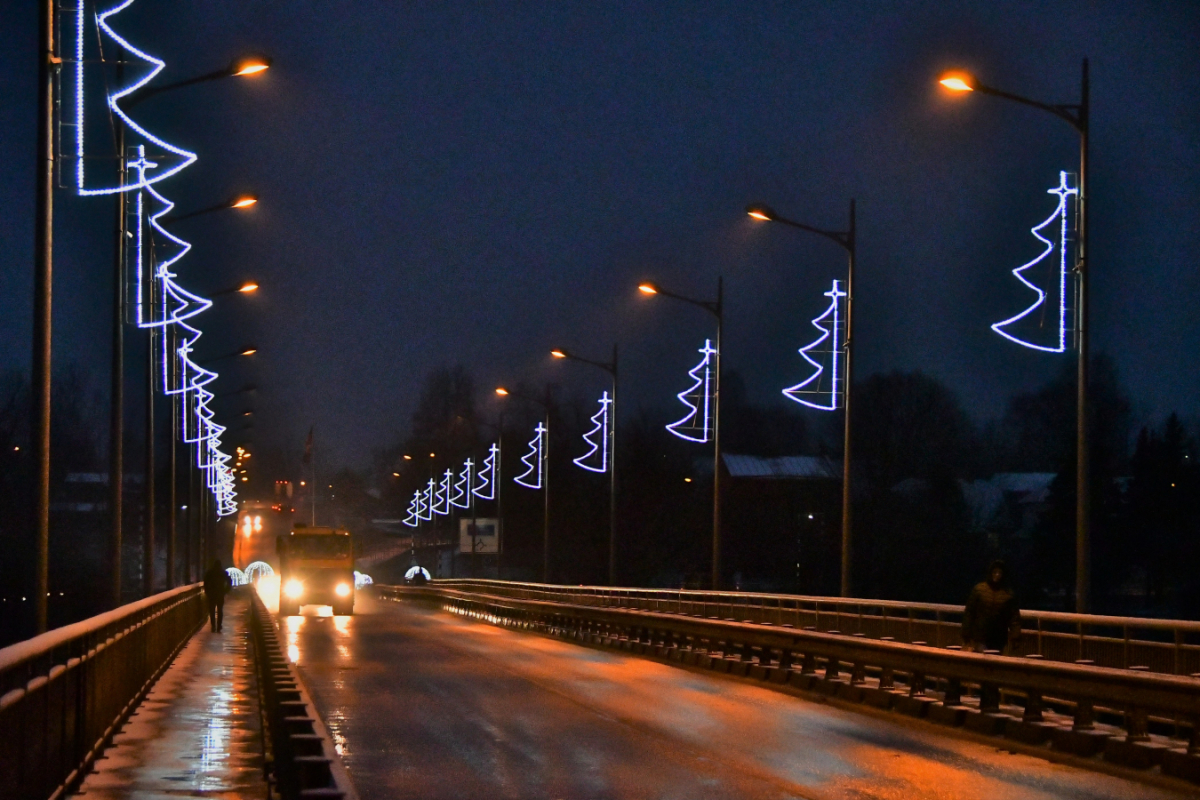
x=316, y=567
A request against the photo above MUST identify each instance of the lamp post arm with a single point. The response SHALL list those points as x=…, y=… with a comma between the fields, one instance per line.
x=712, y=308
x=150, y=91
x=610, y=368
x=1070, y=113
x=844, y=239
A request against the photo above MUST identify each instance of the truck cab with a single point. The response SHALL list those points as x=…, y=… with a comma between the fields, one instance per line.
x=316, y=567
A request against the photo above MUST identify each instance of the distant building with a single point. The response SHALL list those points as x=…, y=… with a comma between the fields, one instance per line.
x=782, y=523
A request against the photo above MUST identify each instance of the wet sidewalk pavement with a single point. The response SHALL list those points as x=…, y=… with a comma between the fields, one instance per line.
x=197, y=733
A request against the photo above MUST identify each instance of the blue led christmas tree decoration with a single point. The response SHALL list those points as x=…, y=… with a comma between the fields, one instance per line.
x=460, y=496
x=185, y=157
x=1060, y=216
x=427, y=496
x=537, y=450
x=161, y=302
x=441, y=495
x=414, y=510
x=601, y=422
x=831, y=326
x=696, y=425
x=485, y=487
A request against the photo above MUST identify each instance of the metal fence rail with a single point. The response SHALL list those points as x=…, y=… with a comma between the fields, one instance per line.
x=302, y=762
x=1158, y=645
x=64, y=693
x=1134, y=717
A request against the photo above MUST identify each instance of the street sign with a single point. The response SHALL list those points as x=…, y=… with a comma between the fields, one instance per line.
x=479, y=535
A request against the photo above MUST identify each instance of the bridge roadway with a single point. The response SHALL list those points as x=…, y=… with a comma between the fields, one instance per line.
x=425, y=704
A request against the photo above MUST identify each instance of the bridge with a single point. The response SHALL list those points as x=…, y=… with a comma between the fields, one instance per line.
x=498, y=689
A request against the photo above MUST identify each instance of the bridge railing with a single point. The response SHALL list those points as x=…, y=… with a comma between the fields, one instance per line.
x=1133, y=716
x=1158, y=645
x=64, y=693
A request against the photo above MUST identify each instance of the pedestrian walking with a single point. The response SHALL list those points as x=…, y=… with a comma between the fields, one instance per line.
x=992, y=620
x=216, y=585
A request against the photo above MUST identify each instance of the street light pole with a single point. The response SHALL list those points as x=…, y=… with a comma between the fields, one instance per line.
x=847, y=241
x=148, y=534
x=611, y=444
x=1078, y=117
x=43, y=241
x=717, y=309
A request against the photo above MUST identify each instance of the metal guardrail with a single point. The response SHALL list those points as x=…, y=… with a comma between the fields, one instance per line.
x=1082, y=709
x=64, y=693
x=301, y=761
x=1157, y=645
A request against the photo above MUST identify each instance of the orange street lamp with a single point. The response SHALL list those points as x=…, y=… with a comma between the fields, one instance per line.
x=500, y=390
x=243, y=201
x=958, y=82
x=251, y=65
x=647, y=288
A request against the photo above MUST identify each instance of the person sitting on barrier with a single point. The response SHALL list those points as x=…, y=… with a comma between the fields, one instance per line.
x=992, y=620
x=216, y=585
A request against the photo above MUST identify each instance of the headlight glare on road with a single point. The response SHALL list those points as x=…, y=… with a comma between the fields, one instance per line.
x=293, y=588
x=342, y=590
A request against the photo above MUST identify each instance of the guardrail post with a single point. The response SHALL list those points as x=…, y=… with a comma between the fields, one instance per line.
x=1137, y=727
x=1085, y=716
x=989, y=698
x=1033, y=706
x=953, y=696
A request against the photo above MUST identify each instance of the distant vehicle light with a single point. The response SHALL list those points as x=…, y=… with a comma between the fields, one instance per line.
x=293, y=589
x=257, y=522
x=342, y=590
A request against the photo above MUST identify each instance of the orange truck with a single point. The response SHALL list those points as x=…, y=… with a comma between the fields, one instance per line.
x=316, y=567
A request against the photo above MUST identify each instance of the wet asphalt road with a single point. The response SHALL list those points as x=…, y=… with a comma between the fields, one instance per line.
x=425, y=704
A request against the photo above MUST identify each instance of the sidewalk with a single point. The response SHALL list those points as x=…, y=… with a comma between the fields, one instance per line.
x=197, y=733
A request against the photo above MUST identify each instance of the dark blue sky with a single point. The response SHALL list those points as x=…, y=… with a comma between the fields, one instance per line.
x=450, y=182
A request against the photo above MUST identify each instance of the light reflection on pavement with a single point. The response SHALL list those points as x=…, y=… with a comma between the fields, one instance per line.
x=196, y=734
x=424, y=704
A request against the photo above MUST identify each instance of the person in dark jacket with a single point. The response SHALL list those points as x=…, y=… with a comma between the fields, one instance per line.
x=992, y=620
x=216, y=585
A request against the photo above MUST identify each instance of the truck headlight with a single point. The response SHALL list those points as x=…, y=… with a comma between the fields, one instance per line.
x=293, y=588
x=342, y=590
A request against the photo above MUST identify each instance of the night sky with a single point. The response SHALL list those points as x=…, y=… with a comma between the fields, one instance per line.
x=475, y=183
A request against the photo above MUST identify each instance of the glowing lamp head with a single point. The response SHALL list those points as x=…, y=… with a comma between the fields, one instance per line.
x=407, y=457
x=249, y=351
x=342, y=590
x=558, y=353
x=251, y=286
x=395, y=474
x=243, y=201
x=647, y=288
x=761, y=212
x=500, y=390
x=251, y=65
x=958, y=82
x=293, y=589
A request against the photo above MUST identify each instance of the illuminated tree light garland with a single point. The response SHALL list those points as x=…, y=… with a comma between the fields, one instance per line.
x=1063, y=190
x=461, y=494
x=833, y=334
x=414, y=511
x=427, y=507
x=187, y=158
x=485, y=488
x=442, y=506
x=537, y=448
x=601, y=421
x=697, y=398
x=175, y=304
